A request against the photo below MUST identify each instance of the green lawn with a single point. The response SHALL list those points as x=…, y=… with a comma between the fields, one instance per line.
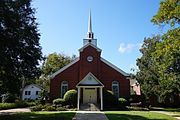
x=136, y=115
x=170, y=110
x=40, y=116
x=112, y=115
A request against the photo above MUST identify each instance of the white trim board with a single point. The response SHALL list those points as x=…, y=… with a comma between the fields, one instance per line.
x=86, y=77
x=90, y=44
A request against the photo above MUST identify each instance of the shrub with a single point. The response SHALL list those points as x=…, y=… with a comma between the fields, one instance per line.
x=4, y=106
x=59, y=101
x=49, y=108
x=61, y=109
x=21, y=104
x=37, y=108
x=109, y=99
x=122, y=101
x=70, y=98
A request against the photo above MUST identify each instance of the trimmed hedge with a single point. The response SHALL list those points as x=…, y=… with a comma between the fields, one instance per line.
x=59, y=102
x=17, y=104
x=47, y=107
x=4, y=106
x=109, y=99
x=70, y=98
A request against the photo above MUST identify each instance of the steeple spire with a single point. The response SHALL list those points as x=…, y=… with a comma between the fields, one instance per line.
x=90, y=34
x=89, y=24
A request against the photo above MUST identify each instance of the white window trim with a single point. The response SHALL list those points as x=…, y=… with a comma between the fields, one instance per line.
x=62, y=84
x=117, y=84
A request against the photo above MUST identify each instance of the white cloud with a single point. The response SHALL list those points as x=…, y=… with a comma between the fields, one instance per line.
x=127, y=48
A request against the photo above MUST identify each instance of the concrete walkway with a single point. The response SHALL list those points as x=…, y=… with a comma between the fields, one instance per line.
x=13, y=111
x=90, y=115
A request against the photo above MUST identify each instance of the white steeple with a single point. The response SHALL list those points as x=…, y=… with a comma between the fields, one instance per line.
x=90, y=34
x=89, y=23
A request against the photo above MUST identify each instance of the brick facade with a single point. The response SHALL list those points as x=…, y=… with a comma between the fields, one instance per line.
x=100, y=69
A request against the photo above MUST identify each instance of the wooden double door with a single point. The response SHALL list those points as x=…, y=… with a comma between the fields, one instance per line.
x=90, y=95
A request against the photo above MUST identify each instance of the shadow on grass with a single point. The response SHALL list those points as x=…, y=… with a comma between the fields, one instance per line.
x=39, y=116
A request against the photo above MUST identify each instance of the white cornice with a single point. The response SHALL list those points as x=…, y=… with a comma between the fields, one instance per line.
x=89, y=74
x=90, y=44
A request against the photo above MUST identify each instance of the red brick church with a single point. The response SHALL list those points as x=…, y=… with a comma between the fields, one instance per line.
x=90, y=74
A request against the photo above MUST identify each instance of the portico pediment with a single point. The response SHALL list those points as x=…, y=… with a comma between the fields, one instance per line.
x=89, y=80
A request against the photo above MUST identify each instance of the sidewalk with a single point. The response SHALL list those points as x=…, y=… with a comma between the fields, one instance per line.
x=13, y=111
x=90, y=115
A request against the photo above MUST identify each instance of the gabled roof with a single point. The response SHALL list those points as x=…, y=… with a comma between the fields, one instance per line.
x=33, y=85
x=114, y=67
x=64, y=68
x=89, y=80
x=90, y=44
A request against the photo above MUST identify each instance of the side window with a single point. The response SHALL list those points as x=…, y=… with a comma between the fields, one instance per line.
x=27, y=92
x=64, y=88
x=115, y=88
x=37, y=92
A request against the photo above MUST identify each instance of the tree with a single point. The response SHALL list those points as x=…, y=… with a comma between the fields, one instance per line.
x=165, y=57
x=51, y=64
x=147, y=75
x=20, y=51
x=167, y=54
x=55, y=61
x=168, y=13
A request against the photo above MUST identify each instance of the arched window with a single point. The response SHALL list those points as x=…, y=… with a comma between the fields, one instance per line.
x=64, y=88
x=115, y=88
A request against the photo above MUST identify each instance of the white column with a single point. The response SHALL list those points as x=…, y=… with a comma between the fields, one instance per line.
x=101, y=95
x=78, y=98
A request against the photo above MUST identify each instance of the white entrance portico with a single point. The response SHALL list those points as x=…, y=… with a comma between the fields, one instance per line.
x=90, y=90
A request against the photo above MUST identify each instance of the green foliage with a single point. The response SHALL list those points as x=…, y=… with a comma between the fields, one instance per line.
x=52, y=63
x=17, y=104
x=59, y=101
x=167, y=58
x=159, y=65
x=55, y=61
x=37, y=108
x=147, y=75
x=168, y=13
x=70, y=97
x=110, y=100
x=4, y=106
x=49, y=108
x=122, y=101
x=20, y=51
x=61, y=109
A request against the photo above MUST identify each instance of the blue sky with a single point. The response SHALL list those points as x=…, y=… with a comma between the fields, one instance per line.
x=120, y=27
